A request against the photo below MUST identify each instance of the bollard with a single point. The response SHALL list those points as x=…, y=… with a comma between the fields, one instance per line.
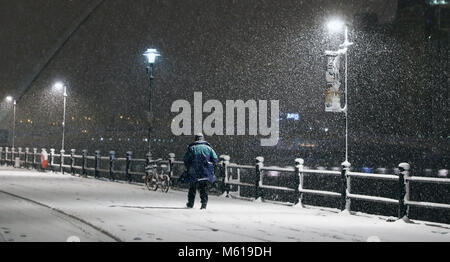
x=171, y=160
x=259, y=178
x=72, y=161
x=62, y=161
x=299, y=182
x=83, y=163
x=112, y=156
x=403, y=189
x=52, y=159
x=97, y=163
x=34, y=158
x=345, y=187
x=225, y=160
x=128, y=166
x=27, y=152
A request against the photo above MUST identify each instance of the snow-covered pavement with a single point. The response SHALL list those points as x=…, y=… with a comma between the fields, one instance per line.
x=36, y=206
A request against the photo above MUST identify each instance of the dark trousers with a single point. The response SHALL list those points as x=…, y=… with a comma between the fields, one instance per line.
x=201, y=186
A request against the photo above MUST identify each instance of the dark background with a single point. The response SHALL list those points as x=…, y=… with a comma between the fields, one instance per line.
x=398, y=75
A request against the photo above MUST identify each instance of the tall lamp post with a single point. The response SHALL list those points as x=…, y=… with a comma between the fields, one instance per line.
x=151, y=55
x=60, y=86
x=10, y=99
x=335, y=26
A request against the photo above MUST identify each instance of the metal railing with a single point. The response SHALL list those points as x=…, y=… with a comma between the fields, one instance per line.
x=230, y=175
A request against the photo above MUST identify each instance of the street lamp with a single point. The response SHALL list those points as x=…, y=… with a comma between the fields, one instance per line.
x=11, y=99
x=62, y=87
x=151, y=55
x=335, y=26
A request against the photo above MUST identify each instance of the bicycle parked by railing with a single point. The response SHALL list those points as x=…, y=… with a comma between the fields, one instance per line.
x=156, y=179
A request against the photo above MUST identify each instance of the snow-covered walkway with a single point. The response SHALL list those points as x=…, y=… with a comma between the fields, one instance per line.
x=96, y=210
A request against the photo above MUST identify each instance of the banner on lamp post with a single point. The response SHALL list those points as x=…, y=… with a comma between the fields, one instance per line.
x=332, y=76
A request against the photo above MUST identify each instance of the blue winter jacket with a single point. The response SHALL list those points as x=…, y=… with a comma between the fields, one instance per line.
x=200, y=160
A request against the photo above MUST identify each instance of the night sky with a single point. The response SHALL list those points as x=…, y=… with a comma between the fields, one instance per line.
x=234, y=49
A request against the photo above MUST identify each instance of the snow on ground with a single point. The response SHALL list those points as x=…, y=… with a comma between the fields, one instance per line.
x=130, y=212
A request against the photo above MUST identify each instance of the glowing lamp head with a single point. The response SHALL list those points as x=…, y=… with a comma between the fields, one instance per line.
x=151, y=55
x=9, y=99
x=335, y=26
x=58, y=86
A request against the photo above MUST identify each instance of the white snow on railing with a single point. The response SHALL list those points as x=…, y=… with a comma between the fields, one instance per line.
x=429, y=180
x=375, y=176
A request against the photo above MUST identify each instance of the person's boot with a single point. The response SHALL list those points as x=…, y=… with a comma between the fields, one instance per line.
x=203, y=206
x=189, y=205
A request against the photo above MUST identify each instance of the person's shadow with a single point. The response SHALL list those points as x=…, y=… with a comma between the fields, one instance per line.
x=149, y=207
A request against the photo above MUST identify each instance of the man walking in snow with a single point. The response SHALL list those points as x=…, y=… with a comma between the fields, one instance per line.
x=199, y=160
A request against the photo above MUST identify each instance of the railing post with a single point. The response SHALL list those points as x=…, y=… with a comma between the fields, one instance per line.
x=171, y=160
x=403, y=189
x=34, y=158
x=12, y=156
x=97, y=163
x=62, y=161
x=52, y=159
x=1, y=155
x=128, y=166
x=259, y=178
x=148, y=158
x=19, y=154
x=83, y=164
x=6, y=156
x=225, y=160
x=299, y=187
x=27, y=152
x=112, y=156
x=72, y=161
x=345, y=187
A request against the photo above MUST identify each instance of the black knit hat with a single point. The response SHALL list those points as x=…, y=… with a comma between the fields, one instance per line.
x=199, y=137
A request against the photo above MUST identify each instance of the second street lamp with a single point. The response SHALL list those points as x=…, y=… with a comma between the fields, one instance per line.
x=60, y=86
x=335, y=26
x=10, y=99
x=151, y=55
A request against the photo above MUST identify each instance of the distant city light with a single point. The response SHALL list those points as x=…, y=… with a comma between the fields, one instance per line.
x=294, y=116
x=9, y=98
x=438, y=2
